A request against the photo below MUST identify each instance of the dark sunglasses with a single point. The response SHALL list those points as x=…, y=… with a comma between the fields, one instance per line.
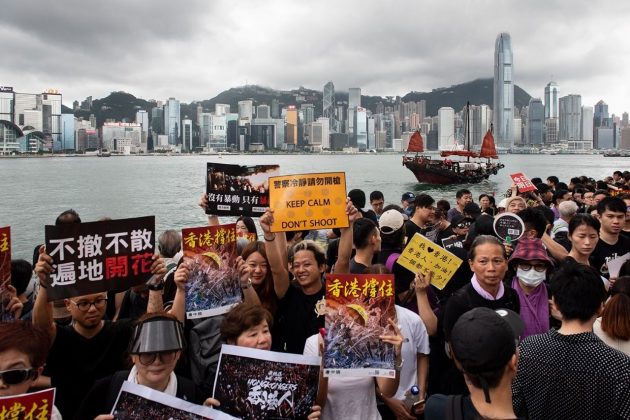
x=147, y=359
x=17, y=376
x=463, y=225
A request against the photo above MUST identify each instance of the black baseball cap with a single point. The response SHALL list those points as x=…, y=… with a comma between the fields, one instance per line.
x=408, y=197
x=458, y=218
x=484, y=340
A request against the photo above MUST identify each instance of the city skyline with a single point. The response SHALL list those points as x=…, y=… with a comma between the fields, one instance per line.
x=205, y=48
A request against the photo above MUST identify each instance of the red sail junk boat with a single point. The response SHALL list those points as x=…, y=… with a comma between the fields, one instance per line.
x=447, y=171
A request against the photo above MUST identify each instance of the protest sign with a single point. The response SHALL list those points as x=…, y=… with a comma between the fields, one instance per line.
x=614, y=265
x=214, y=285
x=138, y=402
x=619, y=191
x=509, y=227
x=358, y=307
x=100, y=256
x=308, y=201
x=449, y=243
x=260, y=384
x=235, y=190
x=35, y=405
x=422, y=255
x=5, y=273
x=523, y=184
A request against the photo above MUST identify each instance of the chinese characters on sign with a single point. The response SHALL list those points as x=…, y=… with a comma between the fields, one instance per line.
x=523, y=184
x=308, y=201
x=358, y=307
x=214, y=286
x=509, y=227
x=422, y=255
x=260, y=384
x=5, y=272
x=33, y=406
x=100, y=256
x=235, y=190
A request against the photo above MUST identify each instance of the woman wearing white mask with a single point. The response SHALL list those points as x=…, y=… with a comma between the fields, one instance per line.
x=531, y=264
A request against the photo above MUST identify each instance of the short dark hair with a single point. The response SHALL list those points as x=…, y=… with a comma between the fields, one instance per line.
x=583, y=219
x=617, y=173
x=536, y=180
x=376, y=195
x=482, y=240
x=547, y=212
x=241, y=318
x=535, y=219
x=574, y=180
x=460, y=193
x=67, y=217
x=578, y=291
x=562, y=186
x=362, y=230
x=554, y=179
x=21, y=272
x=614, y=204
x=542, y=187
x=423, y=200
x=559, y=193
x=357, y=197
x=443, y=205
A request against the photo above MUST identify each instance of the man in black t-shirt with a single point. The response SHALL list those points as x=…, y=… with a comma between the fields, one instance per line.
x=612, y=215
x=423, y=216
x=366, y=238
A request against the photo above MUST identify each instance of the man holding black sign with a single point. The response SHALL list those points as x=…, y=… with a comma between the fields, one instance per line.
x=90, y=347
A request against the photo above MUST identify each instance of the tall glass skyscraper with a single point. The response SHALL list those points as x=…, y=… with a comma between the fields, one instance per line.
x=503, y=92
x=329, y=106
x=552, y=93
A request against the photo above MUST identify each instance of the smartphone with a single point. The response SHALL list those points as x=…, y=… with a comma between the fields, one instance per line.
x=418, y=406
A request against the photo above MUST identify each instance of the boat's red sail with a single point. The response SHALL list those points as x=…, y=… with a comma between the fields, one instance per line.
x=488, y=150
x=415, y=143
x=465, y=153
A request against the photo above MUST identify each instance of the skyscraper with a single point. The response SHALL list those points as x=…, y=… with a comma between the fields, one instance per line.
x=535, y=121
x=354, y=97
x=328, y=110
x=586, y=126
x=503, y=111
x=600, y=114
x=570, y=110
x=552, y=93
x=187, y=137
x=291, y=126
x=172, y=121
x=446, y=128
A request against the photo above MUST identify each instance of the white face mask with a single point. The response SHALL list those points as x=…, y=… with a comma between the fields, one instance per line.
x=531, y=277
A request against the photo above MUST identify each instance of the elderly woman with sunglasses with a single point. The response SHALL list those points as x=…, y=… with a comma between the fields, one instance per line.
x=23, y=351
x=156, y=345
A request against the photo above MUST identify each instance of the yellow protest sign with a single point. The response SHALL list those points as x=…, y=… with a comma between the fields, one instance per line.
x=422, y=255
x=308, y=201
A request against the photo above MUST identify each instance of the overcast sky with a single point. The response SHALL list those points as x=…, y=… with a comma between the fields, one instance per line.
x=194, y=49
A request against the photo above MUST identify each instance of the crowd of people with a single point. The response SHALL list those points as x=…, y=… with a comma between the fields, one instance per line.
x=531, y=328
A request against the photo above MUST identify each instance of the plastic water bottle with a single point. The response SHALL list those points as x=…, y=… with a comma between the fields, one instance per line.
x=412, y=396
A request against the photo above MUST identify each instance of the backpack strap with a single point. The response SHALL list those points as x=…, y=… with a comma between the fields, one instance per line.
x=455, y=407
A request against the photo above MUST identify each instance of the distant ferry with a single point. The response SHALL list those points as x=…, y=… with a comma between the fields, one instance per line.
x=617, y=153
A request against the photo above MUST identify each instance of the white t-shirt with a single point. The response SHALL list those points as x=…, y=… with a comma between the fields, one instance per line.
x=348, y=398
x=413, y=329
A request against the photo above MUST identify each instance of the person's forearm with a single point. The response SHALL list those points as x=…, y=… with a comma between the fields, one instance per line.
x=388, y=386
x=213, y=220
x=251, y=297
x=42, y=312
x=344, y=252
x=426, y=313
x=278, y=264
x=557, y=251
x=322, y=391
x=423, y=373
x=179, y=305
x=156, y=303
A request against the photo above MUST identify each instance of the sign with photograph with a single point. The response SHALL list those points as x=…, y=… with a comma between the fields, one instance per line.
x=236, y=190
x=358, y=307
x=214, y=286
x=308, y=201
x=35, y=405
x=422, y=255
x=260, y=384
x=523, y=184
x=138, y=402
x=101, y=256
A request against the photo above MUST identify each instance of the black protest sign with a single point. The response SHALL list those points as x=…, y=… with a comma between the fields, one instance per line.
x=235, y=190
x=509, y=227
x=449, y=243
x=111, y=255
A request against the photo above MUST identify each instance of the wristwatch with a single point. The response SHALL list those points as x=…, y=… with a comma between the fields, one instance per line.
x=157, y=286
x=247, y=285
x=398, y=368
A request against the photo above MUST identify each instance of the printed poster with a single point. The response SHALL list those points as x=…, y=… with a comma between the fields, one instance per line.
x=5, y=273
x=236, y=190
x=420, y=254
x=509, y=226
x=138, y=402
x=523, y=184
x=214, y=285
x=35, y=405
x=261, y=384
x=101, y=256
x=308, y=201
x=449, y=243
x=358, y=307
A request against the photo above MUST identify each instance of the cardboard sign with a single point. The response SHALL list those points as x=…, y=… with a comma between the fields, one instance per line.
x=235, y=190
x=214, y=286
x=100, y=256
x=523, y=184
x=139, y=402
x=420, y=254
x=36, y=405
x=509, y=227
x=308, y=201
x=260, y=384
x=358, y=307
x=5, y=273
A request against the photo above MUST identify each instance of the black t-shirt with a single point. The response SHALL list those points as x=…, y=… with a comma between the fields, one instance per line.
x=356, y=267
x=605, y=252
x=411, y=229
x=443, y=234
x=437, y=405
x=296, y=320
x=74, y=362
